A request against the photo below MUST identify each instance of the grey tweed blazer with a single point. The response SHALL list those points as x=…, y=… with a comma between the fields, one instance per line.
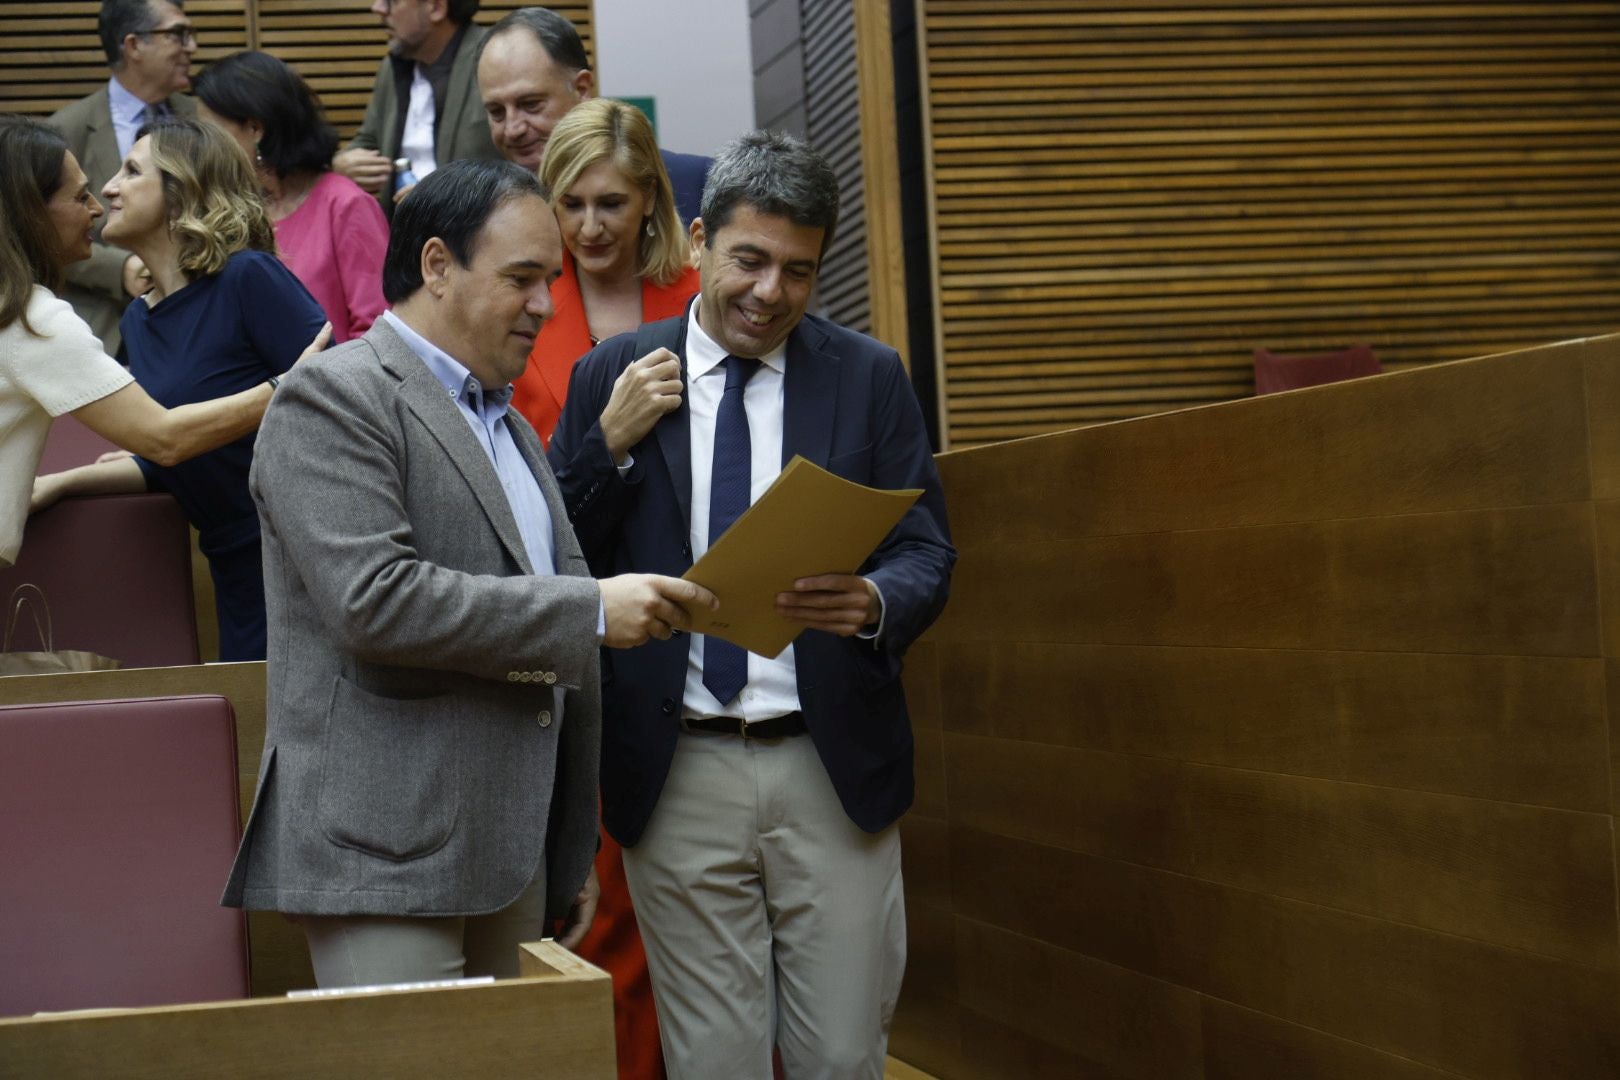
x=414, y=761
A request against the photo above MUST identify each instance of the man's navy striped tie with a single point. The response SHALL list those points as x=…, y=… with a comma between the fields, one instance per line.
x=725, y=666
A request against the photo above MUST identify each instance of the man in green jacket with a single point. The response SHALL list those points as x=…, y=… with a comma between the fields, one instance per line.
x=424, y=105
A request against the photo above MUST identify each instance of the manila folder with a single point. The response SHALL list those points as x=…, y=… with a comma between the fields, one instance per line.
x=808, y=522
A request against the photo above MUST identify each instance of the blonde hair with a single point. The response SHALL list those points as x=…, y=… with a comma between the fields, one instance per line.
x=212, y=195
x=602, y=129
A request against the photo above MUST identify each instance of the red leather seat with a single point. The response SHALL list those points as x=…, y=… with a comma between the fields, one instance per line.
x=118, y=824
x=1274, y=372
x=117, y=572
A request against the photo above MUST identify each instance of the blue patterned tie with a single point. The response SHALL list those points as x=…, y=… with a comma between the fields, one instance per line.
x=725, y=666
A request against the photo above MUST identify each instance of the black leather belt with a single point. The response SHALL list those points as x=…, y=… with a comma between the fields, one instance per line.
x=777, y=727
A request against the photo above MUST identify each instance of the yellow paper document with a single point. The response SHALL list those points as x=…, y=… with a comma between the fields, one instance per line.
x=808, y=522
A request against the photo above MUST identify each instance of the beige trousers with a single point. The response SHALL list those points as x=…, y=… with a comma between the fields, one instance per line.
x=768, y=916
x=365, y=950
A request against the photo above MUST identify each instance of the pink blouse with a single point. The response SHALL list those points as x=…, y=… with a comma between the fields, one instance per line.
x=334, y=243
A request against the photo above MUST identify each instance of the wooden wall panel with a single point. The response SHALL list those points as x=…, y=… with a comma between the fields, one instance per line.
x=1307, y=707
x=1128, y=199
x=1510, y=728
x=1240, y=1044
x=50, y=55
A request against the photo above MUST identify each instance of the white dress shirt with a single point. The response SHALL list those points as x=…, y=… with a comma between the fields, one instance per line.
x=416, y=142
x=772, y=688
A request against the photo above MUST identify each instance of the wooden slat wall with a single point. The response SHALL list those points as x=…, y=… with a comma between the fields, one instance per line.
x=832, y=120
x=1128, y=198
x=823, y=70
x=1280, y=738
x=50, y=55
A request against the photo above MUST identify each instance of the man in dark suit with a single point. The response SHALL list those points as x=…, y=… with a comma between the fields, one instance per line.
x=424, y=105
x=756, y=796
x=532, y=69
x=427, y=798
x=149, y=45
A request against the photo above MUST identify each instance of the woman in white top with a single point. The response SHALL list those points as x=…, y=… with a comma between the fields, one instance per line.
x=50, y=362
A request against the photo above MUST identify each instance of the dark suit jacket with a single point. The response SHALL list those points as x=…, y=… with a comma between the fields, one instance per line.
x=95, y=287
x=848, y=407
x=413, y=764
x=687, y=172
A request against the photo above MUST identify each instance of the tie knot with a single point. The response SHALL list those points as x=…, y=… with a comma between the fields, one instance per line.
x=738, y=371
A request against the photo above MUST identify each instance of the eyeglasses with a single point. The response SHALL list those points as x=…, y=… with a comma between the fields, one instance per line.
x=181, y=35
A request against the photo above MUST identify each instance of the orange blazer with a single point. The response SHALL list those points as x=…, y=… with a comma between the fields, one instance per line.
x=539, y=393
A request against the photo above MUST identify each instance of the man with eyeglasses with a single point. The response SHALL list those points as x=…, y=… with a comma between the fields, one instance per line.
x=424, y=105
x=149, y=45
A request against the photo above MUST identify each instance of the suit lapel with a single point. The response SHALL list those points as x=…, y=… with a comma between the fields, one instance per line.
x=462, y=81
x=674, y=434
x=426, y=398
x=810, y=398
x=101, y=159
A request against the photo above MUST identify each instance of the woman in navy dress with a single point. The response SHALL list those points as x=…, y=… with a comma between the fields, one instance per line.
x=223, y=315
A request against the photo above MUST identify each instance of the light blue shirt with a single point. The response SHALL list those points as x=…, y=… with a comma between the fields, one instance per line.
x=485, y=412
x=128, y=114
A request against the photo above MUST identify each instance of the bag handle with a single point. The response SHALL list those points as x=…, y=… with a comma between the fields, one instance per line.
x=20, y=598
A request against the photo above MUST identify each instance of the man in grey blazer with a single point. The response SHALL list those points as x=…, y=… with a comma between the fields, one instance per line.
x=149, y=45
x=424, y=104
x=427, y=798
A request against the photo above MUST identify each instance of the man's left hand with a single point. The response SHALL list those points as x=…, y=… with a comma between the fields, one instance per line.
x=841, y=604
x=578, y=919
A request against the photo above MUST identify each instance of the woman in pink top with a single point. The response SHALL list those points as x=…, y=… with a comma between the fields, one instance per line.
x=330, y=233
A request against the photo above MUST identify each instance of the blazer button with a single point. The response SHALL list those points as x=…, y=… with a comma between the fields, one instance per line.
x=668, y=706
x=527, y=676
x=550, y=677
x=512, y=676
x=544, y=718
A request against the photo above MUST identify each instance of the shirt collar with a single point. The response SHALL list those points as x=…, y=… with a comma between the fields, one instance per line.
x=704, y=354
x=121, y=103
x=452, y=374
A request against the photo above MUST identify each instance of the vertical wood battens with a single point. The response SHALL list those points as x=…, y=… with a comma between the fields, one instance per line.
x=880, y=172
x=1128, y=200
x=50, y=55
x=822, y=70
x=833, y=127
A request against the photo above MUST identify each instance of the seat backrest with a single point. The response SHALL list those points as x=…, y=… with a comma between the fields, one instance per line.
x=69, y=445
x=1274, y=372
x=116, y=571
x=118, y=824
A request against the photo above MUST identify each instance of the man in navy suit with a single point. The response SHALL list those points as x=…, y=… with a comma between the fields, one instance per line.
x=756, y=797
x=532, y=69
